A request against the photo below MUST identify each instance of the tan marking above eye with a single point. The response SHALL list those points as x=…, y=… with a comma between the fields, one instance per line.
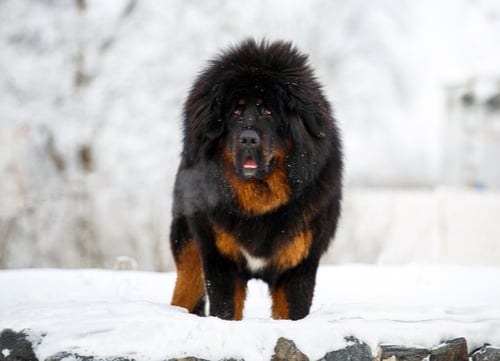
x=241, y=101
x=259, y=101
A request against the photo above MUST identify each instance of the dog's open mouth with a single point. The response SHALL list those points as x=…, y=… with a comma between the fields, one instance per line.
x=250, y=167
x=250, y=163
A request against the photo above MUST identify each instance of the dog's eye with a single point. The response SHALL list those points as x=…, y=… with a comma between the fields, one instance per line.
x=267, y=112
x=237, y=112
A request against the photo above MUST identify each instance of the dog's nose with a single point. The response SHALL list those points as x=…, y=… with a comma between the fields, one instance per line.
x=249, y=138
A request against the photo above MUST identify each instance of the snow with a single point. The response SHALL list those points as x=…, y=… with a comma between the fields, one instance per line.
x=5, y=353
x=127, y=313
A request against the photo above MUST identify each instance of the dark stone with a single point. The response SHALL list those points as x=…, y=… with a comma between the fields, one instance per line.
x=454, y=350
x=62, y=355
x=486, y=353
x=285, y=350
x=76, y=357
x=355, y=351
x=401, y=353
x=16, y=346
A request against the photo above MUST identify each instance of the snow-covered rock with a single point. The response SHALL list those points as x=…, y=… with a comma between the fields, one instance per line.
x=126, y=314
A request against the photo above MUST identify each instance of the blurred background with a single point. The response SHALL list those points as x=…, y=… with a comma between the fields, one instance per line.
x=91, y=94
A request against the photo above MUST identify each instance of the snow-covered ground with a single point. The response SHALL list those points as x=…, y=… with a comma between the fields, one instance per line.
x=126, y=313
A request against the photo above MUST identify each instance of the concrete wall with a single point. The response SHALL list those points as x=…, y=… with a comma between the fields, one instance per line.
x=459, y=226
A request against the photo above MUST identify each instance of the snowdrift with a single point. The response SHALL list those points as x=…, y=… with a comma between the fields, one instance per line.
x=127, y=313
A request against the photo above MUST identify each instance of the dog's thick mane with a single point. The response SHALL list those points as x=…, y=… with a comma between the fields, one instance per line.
x=278, y=72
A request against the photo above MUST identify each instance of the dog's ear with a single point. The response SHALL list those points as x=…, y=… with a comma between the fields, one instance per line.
x=203, y=122
x=215, y=123
x=314, y=116
x=314, y=121
x=311, y=116
x=215, y=128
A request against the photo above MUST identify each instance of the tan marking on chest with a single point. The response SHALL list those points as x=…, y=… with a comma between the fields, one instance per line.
x=294, y=252
x=257, y=197
x=226, y=244
x=285, y=257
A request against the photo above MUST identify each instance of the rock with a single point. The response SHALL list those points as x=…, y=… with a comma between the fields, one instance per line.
x=66, y=356
x=355, y=351
x=454, y=350
x=18, y=346
x=22, y=345
x=285, y=350
x=486, y=353
x=401, y=353
x=191, y=358
x=69, y=356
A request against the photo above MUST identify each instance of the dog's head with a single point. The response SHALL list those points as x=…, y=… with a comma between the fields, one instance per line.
x=259, y=103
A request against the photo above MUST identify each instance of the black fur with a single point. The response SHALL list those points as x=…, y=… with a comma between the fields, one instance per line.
x=269, y=91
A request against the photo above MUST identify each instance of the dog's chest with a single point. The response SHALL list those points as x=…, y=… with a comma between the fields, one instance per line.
x=254, y=264
x=285, y=254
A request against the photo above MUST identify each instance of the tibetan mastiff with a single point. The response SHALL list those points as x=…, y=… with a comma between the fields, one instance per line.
x=258, y=189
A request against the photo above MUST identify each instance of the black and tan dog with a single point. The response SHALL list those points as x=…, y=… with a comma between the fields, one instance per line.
x=258, y=190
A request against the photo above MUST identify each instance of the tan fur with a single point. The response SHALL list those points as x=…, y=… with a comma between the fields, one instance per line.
x=294, y=252
x=280, y=304
x=190, y=285
x=226, y=244
x=257, y=197
x=240, y=294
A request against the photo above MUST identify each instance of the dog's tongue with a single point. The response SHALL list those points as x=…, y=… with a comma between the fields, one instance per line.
x=249, y=164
